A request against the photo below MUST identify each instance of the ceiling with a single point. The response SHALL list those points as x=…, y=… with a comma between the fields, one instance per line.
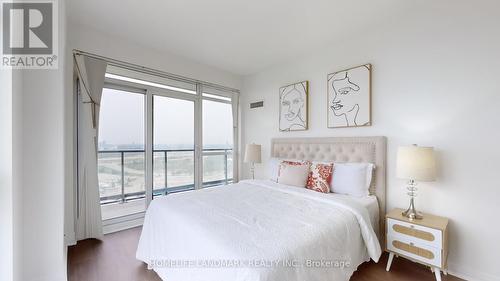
x=242, y=37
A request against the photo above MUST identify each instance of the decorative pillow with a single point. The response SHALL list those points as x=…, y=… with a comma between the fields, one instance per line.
x=293, y=173
x=273, y=166
x=352, y=178
x=296, y=162
x=320, y=176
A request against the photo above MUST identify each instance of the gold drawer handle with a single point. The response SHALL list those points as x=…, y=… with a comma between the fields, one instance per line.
x=411, y=231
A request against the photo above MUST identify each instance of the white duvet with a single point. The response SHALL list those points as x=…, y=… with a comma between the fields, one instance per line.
x=256, y=231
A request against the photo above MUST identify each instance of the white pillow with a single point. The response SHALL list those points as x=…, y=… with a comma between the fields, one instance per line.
x=273, y=168
x=352, y=178
x=295, y=175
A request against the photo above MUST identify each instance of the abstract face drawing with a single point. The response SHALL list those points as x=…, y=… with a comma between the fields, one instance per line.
x=293, y=107
x=349, y=97
x=345, y=96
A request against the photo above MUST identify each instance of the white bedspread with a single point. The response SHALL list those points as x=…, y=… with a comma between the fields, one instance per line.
x=256, y=231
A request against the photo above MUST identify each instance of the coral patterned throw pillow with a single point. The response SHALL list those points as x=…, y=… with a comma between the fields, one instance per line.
x=320, y=176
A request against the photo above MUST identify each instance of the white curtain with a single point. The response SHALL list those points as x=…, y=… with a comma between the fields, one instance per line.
x=91, y=81
x=235, y=106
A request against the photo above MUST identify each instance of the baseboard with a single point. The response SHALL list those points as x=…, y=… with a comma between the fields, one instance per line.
x=470, y=275
x=122, y=225
x=69, y=240
x=111, y=226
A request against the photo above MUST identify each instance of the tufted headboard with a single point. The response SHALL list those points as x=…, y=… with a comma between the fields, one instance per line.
x=341, y=149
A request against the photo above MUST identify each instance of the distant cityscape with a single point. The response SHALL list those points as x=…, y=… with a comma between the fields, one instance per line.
x=124, y=170
x=104, y=146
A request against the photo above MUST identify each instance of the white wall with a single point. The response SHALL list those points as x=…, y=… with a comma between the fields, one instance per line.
x=6, y=177
x=41, y=253
x=435, y=83
x=93, y=41
x=11, y=202
x=43, y=176
x=90, y=40
x=17, y=173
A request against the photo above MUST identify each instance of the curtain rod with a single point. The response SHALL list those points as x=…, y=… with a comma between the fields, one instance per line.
x=151, y=71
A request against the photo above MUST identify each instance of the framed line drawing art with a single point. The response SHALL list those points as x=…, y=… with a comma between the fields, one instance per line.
x=349, y=97
x=293, y=107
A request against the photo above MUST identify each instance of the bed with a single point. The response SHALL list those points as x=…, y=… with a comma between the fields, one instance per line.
x=259, y=230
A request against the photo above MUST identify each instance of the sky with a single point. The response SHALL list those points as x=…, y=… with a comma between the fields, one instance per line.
x=121, y=120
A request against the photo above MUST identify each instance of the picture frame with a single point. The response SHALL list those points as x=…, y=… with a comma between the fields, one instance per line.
x=293, y=107
x=349, y=97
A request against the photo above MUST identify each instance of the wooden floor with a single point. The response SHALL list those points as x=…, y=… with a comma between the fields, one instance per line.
x=114, y=260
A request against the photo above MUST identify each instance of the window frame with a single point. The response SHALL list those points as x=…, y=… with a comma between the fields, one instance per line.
x=149, y=92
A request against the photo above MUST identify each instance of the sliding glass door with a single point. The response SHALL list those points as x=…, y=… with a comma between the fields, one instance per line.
x=173, y=145
x=121, y=157
x=217, y=142
x=160, y=136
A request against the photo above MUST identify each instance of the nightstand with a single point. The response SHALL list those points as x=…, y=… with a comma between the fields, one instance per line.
x=424, y=241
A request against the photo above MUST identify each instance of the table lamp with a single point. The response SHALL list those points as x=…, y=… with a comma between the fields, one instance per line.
x=415, y=163
x=252, y=155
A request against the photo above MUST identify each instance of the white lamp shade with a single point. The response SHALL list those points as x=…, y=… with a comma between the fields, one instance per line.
x=252, y=153
x=416, y=163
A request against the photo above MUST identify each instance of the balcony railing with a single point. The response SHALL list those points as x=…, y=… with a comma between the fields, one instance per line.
x=114, y=165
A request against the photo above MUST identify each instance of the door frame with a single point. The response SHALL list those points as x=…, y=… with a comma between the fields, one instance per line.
x=150, y=93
